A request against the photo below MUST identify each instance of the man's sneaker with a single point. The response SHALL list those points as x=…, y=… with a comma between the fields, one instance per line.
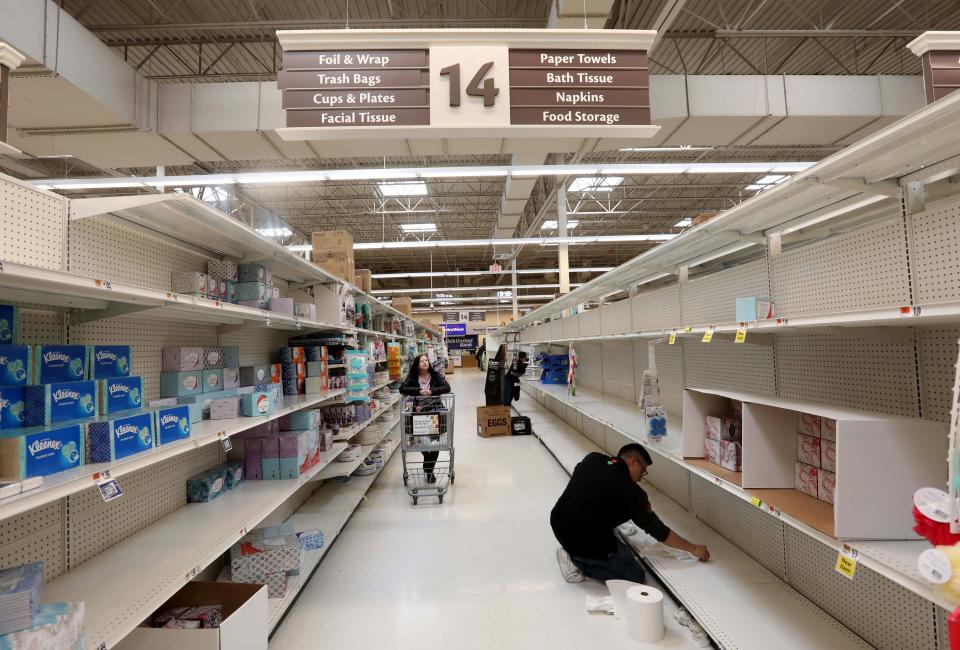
x=570, y=571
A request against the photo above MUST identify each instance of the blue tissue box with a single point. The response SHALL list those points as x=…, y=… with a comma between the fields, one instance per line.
x=275, y=391
x=254, y=375
x=206, y=486
x=116, y=438
x=231, y=356
x=12, y=407
x=119, y=394
x=252, y=272
x=212, y=358
x=301, y=420
x=59, y=402
x=179, y=384
x=231, y=378
x=255, y=404
x=234, y=474
x=16, y=365
x=172, y=424
x=271, y=469
x=754, y=308
x=22, y=584
x=252, y=291
x=60, y=363
x=110, y=361
x=314, y=352
x=289, y=467
x=9, y=324
x=212, y=380
x=311, y=539
x=40, y=451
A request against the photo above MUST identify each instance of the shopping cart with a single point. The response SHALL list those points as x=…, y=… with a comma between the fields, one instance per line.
x=427, y=428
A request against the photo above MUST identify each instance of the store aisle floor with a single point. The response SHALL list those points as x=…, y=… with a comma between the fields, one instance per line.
x=478, y=571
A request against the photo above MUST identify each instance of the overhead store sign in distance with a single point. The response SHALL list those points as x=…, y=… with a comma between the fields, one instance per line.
x=470, y=83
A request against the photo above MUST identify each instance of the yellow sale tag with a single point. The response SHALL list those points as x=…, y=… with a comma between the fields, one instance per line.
x=672, y=339
x=847, y=562
x=707, y=336
x=741, y=335
x=688, y=329
x=757, y=502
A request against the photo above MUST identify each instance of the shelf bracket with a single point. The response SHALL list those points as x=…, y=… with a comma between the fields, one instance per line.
x=115, y=310
x=880, y=188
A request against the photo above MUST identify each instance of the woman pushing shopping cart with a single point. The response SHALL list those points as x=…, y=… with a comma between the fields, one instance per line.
x=427, y=431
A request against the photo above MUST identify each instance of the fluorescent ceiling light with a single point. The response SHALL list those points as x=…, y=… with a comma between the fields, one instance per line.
x=754, y=188
x=446, y=302
x=481, y=298
x=418, y=227
x=771, y=179
x=444, y=295
x=517, y=241
x=409, y=188
x=683, y=147
x=595, y=183
x=452, y=274
x=683, y=223
x=413, y=173
x=554, y=225
x=391, y=292
x=275, y=232
x=505, y=294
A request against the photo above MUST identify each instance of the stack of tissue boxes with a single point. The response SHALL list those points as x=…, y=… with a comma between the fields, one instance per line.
x=225, y=272
x=207, y=486
x=200, y=285
x=26, y=623
x=208, y=380
x=723, y=438
x=254, y=286
x=816, y=456
x=267, y=556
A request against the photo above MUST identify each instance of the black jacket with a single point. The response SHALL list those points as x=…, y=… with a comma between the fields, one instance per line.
x=494, y=384
x=599, y=497
x=411, y=385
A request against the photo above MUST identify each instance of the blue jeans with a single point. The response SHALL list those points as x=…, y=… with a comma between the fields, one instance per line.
x=622, y=564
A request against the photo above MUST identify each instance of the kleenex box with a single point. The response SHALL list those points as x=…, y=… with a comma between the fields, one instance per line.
x=231, y=378
x=119, y=394
x=172, y=424
x=180, y=384
x=254, y=375
x=178, y=359
x=60, y=363
x=212, y=358
x=254, y=404
x=110, y=361
x=111, y=439
x=252, y=291
x=16, y=365
x=9, y=324
x=212, y=380
x=206, y=486
x=59, y=402
x=40, y=451
x=12, y=407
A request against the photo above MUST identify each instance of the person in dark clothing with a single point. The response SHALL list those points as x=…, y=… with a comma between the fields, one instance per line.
x=423, y=381
x=493, y=388
x=480, y=354
x=511, y=379
x=603, y=493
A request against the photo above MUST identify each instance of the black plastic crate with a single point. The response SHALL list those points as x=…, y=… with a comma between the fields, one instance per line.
x=520, y=425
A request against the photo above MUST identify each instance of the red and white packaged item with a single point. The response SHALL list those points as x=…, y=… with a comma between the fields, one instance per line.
x=828, y=455
x=808, y=450
x=806, y=479
x=711, y=450
x=828, y=429
x=714, y=426
x=827, y=482
x=730, y=455
x=809, y=425
x=732, y=429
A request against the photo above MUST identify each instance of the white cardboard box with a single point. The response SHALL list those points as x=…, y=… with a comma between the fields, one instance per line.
x=244, y=625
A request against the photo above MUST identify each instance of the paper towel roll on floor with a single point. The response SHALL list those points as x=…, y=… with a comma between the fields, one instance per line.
x=645, y=614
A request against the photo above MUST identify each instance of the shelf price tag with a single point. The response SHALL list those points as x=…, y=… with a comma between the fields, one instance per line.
x=757, y=502
x=688, y=329
x=672, y=339
x=847, y=561
x=109, y=487
x=741, y=335
x=102, y=283
x=910, y=312
x=193, y=573
x=226, y=444
x=707, y=336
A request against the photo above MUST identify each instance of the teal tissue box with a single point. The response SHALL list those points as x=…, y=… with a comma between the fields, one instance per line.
x=182, y=383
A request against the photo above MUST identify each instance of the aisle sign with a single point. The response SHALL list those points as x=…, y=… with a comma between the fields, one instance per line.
x=473, y=79
x=454, y=329
x=450, y=316
x=466, y=342
x=847, y=561
x=477, y=315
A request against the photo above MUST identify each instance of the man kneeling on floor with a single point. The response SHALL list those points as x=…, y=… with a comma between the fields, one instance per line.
x=603, y=493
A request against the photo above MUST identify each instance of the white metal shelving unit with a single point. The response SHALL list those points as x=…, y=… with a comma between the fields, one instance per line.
x=857, y=253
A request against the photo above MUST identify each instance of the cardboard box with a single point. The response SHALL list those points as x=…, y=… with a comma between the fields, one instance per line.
x=340, y=268
x=493, y=421
x=244, y=625
x=806, y=479
x=403, y=304
x=337, y=239
x=808, y=450
x=365, y=280
x=826, y=484
x=711, y=450
x=702, y=217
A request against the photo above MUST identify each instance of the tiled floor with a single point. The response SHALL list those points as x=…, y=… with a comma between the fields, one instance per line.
x=477, y=571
